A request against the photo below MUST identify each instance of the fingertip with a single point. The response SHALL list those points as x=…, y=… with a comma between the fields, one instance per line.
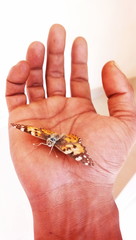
x=113, y=68
x=80, y=40
x=108, y=66
x=36, y=44
x=79, y=50
x=114, y=80
x=57, y=27
x=35, y=54
x=56, y=39
x=19, y=72
x=23, y=64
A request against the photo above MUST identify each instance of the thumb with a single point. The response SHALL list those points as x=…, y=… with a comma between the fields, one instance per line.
x=121, y=100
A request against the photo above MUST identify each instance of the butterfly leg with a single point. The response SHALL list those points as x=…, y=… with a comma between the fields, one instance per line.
x=42, y=143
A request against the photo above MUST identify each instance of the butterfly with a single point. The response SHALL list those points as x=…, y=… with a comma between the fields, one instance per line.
x=68, y=144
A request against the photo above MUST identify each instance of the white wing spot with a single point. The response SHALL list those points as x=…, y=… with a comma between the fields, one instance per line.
x=22, y=129
x=86, y=163
x=33, y=133
x=68, y=151
x=79, y=158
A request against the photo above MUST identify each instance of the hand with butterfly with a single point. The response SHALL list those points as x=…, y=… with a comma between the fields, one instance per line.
x=69, y=200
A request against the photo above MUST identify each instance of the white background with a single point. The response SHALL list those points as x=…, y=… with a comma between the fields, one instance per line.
x=109, y=27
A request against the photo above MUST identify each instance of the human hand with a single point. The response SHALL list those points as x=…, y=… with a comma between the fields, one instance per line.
x=63, y=192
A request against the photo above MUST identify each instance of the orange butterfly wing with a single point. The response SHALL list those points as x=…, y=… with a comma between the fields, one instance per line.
x=68, y=144
x=71, y=145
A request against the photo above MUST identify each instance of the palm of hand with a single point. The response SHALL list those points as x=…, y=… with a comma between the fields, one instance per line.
x=64, y=115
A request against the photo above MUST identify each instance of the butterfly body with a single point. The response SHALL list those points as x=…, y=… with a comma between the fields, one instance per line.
x=68, y=144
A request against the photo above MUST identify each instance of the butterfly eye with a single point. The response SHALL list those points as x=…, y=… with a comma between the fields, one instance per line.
x=53, y=139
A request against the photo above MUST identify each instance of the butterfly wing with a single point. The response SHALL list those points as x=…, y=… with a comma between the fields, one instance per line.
x=71, y=145
x=41, y=133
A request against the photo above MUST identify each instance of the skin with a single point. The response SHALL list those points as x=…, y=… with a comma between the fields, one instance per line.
x=69, y=200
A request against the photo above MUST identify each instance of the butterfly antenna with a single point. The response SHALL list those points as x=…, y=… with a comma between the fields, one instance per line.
x=39, y=144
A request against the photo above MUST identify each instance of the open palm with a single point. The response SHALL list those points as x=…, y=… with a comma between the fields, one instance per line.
x=106, y=138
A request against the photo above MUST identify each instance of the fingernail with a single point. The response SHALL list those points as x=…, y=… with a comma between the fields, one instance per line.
x=116, y=65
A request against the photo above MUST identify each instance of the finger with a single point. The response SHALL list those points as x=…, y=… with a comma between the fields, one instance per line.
x=16, y=80
x=119, y=92
x=35, y=57
x=79, y=70
x=55, y=61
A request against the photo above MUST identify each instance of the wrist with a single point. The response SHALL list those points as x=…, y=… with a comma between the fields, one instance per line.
x=84, y=214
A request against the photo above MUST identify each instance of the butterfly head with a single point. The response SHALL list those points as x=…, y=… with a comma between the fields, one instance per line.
x=52, y=139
